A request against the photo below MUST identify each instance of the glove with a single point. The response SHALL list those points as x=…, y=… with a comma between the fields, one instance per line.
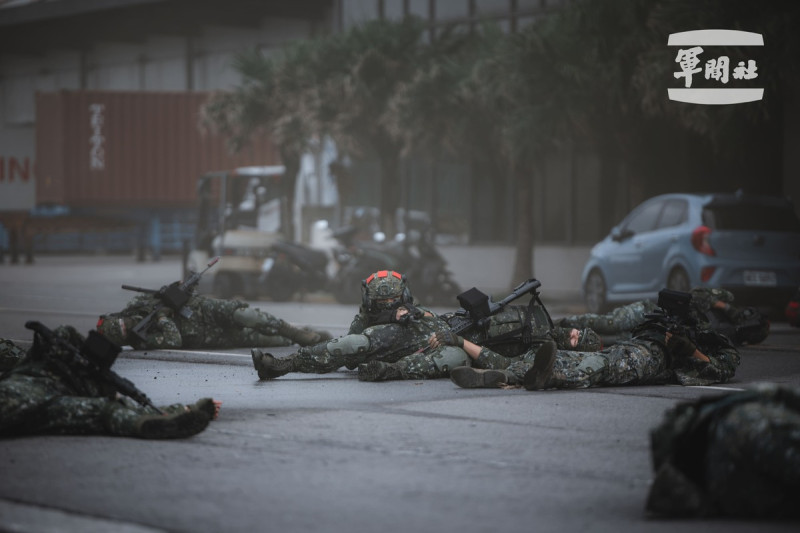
x=414, y=313
x=680, y=347
x=449, y=338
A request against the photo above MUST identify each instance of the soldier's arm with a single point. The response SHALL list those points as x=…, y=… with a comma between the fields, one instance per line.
x=164, y=334
x=721, y=365
x=358, y=325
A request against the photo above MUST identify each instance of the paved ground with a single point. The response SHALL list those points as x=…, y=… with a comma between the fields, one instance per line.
x=330, y=453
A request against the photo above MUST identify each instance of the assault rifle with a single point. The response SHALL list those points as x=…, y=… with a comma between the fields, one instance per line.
x=96, y=355
x=174, y=296
x=676, y=316
x=477, y=308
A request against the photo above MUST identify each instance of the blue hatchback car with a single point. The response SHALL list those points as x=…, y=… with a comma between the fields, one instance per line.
x=747, y=244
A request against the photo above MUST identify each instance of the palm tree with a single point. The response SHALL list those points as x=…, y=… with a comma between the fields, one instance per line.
x=273, y=98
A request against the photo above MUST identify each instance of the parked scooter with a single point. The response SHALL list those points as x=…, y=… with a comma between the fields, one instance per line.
x=292, y=267
x=414, y=255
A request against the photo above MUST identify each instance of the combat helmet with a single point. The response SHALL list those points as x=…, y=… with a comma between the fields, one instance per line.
x=384, y=290
x=115, y=327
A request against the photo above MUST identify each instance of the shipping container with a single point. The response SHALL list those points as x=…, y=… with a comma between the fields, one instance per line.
x=129, y=150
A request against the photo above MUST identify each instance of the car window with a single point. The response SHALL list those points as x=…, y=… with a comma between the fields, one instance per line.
x=751, y=217
x=644, y=218
x=674, y=213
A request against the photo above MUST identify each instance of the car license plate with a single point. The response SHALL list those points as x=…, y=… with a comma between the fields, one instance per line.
x=760, y=278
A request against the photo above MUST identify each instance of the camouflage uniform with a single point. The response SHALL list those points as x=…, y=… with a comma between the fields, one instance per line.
x=375, y=333
x=10, y=354
x=740, y=325
x=645, y=359
x=733, y=455
x=382, y=342
x=509, y=335
x=213, y=323
x=44, y=395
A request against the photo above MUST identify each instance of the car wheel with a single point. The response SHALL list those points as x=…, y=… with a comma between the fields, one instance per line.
x=595, y=292
x=678, y=280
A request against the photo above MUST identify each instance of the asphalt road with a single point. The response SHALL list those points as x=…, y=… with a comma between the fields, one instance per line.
x=330, y=453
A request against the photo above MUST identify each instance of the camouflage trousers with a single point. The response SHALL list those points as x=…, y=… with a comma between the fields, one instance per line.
x=620, y=320
x=35, y=405
x=432, y=364
x=628, y=363
x=385, y=342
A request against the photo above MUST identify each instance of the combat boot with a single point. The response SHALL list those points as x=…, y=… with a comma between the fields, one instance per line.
x=538, y=377
x=270, y=367
x=380, y=371
x=467, y=377
x=302, y=336
x=172, y=426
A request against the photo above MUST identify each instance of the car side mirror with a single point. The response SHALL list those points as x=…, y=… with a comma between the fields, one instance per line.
x=618, y=234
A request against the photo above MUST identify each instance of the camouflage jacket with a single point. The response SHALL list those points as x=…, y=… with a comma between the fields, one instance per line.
x=209, y=323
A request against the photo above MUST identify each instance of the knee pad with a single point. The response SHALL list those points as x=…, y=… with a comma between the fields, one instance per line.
x=247, y=317
x=449, y=357
x=348, y=345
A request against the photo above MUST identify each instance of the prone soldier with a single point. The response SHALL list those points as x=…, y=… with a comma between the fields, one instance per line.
x=64, y=385
x=658, y=353
x=176, y=317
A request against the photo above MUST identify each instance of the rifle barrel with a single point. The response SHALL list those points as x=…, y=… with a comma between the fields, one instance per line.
x=139, y=289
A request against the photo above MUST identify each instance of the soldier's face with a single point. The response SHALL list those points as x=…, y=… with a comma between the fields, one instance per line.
x=385, y=304
x=574, y=337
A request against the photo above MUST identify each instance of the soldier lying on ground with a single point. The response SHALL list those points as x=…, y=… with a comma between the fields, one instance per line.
x=730, y=455
x=388, y=326
x=389, y=336
x=48, y=392
x=211, y=323
x=742, y=325
x=695, y=355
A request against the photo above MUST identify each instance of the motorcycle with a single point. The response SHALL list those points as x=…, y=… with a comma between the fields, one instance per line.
x=413, y=255
x=292, y=267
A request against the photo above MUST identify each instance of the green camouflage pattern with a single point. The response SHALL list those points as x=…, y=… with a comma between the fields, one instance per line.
x=10, y=354
x=43, y=395
x=639, y=361
x=504, y=341
x=387, y=342
x=212, y=324
x=731, y=455
x=621, y=320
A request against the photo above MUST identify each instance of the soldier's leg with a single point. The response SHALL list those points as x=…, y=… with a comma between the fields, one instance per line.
x=571, y=370
x=271, y=325
x=417, y=366
x=250, y=338
x=317, y=359
x=620, y=320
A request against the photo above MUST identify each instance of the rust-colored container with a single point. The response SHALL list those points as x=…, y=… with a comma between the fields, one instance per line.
x=110, y=149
